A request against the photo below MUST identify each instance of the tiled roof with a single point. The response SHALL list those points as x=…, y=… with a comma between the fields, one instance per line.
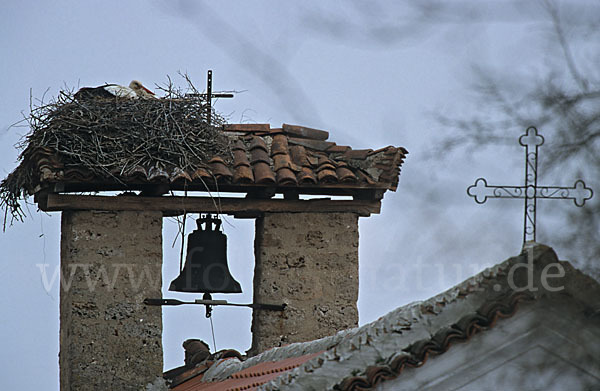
x=287, y=158
x=360, y=358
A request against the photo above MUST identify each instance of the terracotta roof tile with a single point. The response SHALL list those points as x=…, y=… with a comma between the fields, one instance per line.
x=157, y=174
x=313, y=161
x=280, y=145
x=259, y=155
x=327, y=175
x=179, y=175
x=77, y=175
x=338, y=149
x=282, y=161
x=202, y=174
x=304, y=132
x=238, y=145
x=243, y=174
x=258, y=142
x=385, y=150
x=299, y=156
x=345, y=175
x=286, y=177
x=306, y=176
x=219, y=169
x=263, y=173
x=240, y=158
x=288, y=156
x=246, y=127
x=312, y=144
x=364, y=177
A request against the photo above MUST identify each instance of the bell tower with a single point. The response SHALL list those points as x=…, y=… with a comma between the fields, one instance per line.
x=161, y=156
x=306, y=194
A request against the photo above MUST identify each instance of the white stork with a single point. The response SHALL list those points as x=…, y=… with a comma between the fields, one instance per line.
x=134, y=91
x=140, y=90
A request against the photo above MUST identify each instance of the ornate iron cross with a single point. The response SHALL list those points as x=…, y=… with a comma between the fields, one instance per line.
x=531, y=140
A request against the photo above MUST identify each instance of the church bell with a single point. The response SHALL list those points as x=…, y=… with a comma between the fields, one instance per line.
x=205, y=269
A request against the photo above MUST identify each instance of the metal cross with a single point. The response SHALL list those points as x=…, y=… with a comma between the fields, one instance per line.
x=209, y=95
x=531, y=140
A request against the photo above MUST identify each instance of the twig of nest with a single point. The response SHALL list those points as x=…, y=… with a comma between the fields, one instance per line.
x=112, y=136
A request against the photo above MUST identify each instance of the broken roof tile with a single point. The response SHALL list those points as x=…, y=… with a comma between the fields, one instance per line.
x=364, y=177
x=299, y=156
x=360, y=154
x=317, y=145
x=385, y=150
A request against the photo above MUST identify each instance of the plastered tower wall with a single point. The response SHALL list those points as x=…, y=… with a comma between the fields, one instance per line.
x=310, y=262
x=110, y=262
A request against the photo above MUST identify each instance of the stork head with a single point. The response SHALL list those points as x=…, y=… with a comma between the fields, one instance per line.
x=140, y=90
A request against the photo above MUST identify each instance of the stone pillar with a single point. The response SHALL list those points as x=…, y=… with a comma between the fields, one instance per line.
x=110, y=262
x=310, y=262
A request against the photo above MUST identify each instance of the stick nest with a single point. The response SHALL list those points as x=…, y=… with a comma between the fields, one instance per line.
x=111, y=137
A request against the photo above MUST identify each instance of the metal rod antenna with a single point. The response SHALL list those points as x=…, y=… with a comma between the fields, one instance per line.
x=209, y=96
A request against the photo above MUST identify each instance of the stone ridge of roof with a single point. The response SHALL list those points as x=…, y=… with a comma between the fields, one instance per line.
x=399, y=330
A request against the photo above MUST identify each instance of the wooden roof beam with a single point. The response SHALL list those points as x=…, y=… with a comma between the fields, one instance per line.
x=176, y=205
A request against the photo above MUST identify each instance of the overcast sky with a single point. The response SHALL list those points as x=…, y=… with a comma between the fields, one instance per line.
x=370, y=76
